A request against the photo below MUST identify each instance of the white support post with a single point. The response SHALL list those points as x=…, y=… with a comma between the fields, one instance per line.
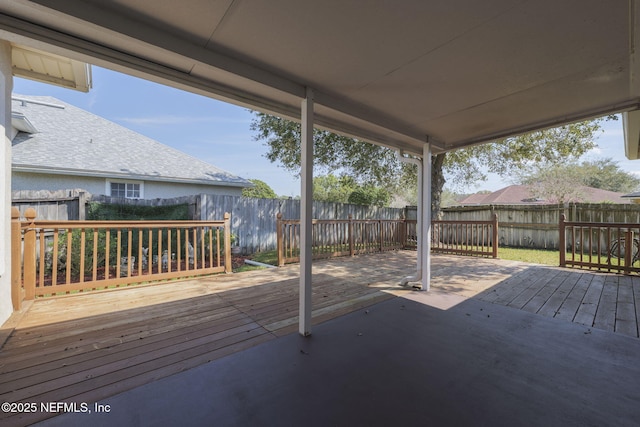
x=6, y=86
x=306, y=214
x=425, y=234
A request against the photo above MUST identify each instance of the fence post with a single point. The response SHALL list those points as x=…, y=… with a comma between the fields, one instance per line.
x=16, y=260
x=228, y=268
x=82, y=206
x=381, y=235
x=562, y=241
x=29, y=258
x=350, y=231
x=279, y=239
x=495, y=235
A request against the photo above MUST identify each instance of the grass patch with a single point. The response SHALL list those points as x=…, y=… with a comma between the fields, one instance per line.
x=535, y=256
x=266, y=257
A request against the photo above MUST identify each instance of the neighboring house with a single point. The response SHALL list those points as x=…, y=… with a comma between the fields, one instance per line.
x=633, y=197
x=520, y=195
x=57, y=146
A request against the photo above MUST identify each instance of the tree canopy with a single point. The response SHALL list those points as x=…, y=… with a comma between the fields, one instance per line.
x=332, y=188
x=345, y=189
x=606, y=174
x=375, y=165
x=260, y=190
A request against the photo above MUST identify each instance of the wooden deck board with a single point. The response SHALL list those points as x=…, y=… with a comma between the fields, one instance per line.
x=626, y=322
x=541, y=297
x=606, y=314
x=569, y=307
x=531, y=288
x=91, y=346
x=589, y=305
x=551, y=307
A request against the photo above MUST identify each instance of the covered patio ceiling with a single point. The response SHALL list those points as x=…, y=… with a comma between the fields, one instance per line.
x=448, y=72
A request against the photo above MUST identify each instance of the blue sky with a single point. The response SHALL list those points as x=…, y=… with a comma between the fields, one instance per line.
x=219, y=133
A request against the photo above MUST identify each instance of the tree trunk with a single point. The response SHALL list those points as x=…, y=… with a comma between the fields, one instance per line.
x=437, y=184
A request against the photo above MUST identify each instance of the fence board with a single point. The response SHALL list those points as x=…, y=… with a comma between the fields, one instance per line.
x=536, y=226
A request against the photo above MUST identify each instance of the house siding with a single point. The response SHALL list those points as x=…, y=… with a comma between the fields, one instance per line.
x=152, y=189
x=52, y=182
x=163, y=190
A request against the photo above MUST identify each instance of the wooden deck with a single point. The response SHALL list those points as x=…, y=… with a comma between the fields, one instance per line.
x=87, y=347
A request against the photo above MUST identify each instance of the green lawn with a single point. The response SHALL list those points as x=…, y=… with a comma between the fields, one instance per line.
x=267, y=257
x=536, y=256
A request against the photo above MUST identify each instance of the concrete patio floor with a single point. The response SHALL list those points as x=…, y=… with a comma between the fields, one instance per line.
x=494, y=343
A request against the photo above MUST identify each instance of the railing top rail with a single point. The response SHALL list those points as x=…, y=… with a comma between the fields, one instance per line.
x=446, y=221
x=601, y=224
x=120, y=224
x=334, y=221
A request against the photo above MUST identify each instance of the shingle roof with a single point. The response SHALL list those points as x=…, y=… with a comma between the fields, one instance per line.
x=520, y=194
x=74, y=141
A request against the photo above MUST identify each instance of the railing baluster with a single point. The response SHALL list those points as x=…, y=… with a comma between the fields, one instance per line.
x=107, y=254
x=95, y=254
x=69, y=255
x=54, y=262
x=169, y=251
x=41, y=237
x=150, y=251
x=119, y=253
x=129, y=243
x=159, y=260
x=82, y=252
x=178, y=248
x=141, y=255
x=210, y=235
x=202, y=251
x=195, y=249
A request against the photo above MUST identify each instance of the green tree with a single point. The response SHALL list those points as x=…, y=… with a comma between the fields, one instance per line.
x=260, y=190
x=331, y=188
x=607, y=175
x=380, y=166
x=370, y=196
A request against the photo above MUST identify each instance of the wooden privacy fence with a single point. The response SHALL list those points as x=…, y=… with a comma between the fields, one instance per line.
x=53, y=257
x=611, y=247
x=350, y=237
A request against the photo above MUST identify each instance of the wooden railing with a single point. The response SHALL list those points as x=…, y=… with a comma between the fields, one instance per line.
x=339, y=237
x=600, y=246
x=64, y=256
x=479, y=238
x=350, y=237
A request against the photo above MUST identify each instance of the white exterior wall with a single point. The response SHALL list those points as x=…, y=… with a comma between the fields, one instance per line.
x=6, y=85
x=164, y=190
x=52, y=182
x=152, y=189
